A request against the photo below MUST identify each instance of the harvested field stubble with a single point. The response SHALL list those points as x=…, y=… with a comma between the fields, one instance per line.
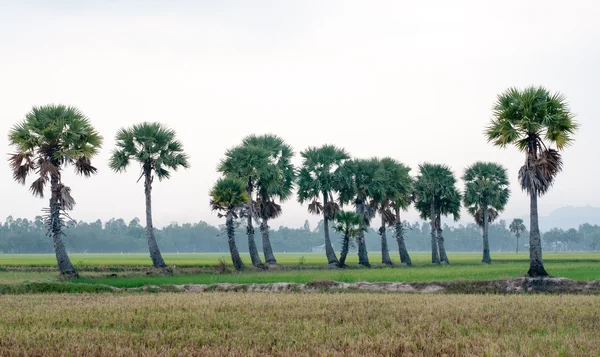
x=299, y=324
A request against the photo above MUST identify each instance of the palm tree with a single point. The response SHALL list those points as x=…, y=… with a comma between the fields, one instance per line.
x=156, y=149
x=360, y=181
x=317, y=184
x=516, y=227
x=350, y=225
x=436, y=196
x=49, y=139
x=391, y=199
x=229, y=197
x=486, y=191
x=400, y=197
x=533, y=119
x=247, y=163
x=275, y=181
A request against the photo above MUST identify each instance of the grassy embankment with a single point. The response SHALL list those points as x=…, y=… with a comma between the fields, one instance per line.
x=578, y=266
x=299, y=325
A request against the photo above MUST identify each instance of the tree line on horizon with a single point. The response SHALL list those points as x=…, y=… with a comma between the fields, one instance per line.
x=27, y=236
x=347, y=192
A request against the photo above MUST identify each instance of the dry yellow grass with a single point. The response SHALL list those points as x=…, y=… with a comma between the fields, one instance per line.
x=247, y=324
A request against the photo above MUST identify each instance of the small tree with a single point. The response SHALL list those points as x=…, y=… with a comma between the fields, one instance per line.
x=350, y=225
x=229, y=197
x=517, y=227
x=157, y=151
x=51, y=138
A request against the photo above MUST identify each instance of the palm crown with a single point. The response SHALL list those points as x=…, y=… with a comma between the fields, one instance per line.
x=276, y=177
x=51, y=137
x=517, y=226
x=486, y=185
x=228, y=195
x=395, y=195
x=152, y=145
x=349, y=224
x=362, y=182
x=533, y=119
x=317, y=177
x=436, y=184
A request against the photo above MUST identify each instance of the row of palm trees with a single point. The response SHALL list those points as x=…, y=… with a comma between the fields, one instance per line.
x=258, y=175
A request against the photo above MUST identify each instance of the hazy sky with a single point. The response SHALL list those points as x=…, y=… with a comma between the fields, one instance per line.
x=410, y=80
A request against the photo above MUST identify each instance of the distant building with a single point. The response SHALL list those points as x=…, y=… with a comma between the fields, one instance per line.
x=319, y=249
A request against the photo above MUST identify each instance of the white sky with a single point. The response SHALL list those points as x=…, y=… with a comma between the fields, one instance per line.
x=411, y=80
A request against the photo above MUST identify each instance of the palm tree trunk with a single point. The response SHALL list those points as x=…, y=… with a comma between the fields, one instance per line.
x=157, y=259
x=235, y=255
x=536, y=266
x=517, y=252
x=329, y=251
x=254, y=256
x=385, y=252
x=435, y=259
x=363, y=257
x=440, y=241
x=267, y=250
x=486, y=243
x=344, y=254
x=404, y=257
x=62, y=258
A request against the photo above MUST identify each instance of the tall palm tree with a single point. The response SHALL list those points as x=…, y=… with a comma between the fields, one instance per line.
x=436, y=196
x=486, y=191
x=157, y=150
x=317, y=185
x=49, y=139
x=533, y=120
x=275, y=182
x=229, y=197
x=350, y=225
x=247, y=163
x=398, y=196
x=360, y=181
x=516, y=227
x=389, y=200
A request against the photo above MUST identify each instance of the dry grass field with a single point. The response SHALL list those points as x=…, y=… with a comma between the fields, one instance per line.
x=247, y=324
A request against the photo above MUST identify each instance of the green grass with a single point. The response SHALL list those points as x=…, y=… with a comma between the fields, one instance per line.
x=577, y=271
x=212, y=259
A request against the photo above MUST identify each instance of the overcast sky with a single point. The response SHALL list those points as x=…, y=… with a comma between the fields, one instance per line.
x=412, y=80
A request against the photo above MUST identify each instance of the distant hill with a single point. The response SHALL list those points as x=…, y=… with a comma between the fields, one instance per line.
x=569, y=217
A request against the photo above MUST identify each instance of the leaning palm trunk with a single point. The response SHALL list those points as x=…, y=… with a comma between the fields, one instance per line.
x=440, y=241
x=344, y=253
x=235, y=255
x=385, y=252
x=486, y=243
x=157, y=259
x=64, y=263
x=267, y=250
x=329, y=251
x=435, y=259
x=536, y=266
x=254, y=256
x=404, y=257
